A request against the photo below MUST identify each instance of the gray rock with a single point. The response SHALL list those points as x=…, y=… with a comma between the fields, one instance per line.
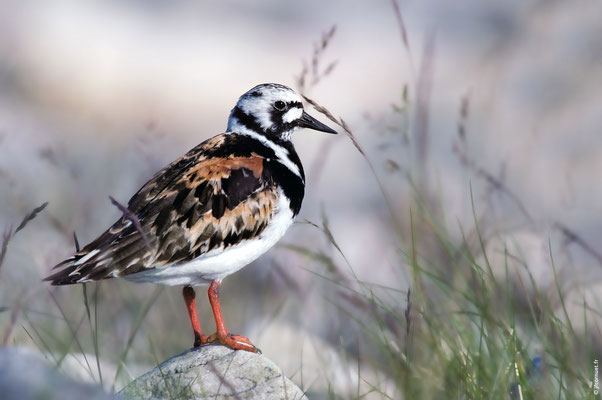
x=25, y=376
x=214, y=372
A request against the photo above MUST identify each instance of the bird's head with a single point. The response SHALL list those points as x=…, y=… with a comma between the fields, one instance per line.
x=273, y=110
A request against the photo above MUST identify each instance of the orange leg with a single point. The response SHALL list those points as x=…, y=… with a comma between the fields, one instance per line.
x=189, y=295
x=235, y=342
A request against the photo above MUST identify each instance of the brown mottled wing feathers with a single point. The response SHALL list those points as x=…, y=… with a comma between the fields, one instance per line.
x=194, y=205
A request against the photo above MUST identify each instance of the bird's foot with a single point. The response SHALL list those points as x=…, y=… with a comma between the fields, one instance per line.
x=235, y=342
x=200, y=340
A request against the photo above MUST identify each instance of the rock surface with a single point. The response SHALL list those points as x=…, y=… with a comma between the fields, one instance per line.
x=25, y=376
x=214, y=372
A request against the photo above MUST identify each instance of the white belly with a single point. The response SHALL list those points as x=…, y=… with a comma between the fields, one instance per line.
x=219, y=263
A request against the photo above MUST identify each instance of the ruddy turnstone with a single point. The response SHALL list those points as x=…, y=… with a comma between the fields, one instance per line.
x=210, y=212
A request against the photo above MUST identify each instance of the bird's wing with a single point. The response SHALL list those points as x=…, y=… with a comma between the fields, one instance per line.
x=194, y=205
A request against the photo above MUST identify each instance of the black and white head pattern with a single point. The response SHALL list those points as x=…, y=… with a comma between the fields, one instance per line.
x=274, y=110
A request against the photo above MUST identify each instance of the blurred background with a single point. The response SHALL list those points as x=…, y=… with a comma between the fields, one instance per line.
x=469, y=114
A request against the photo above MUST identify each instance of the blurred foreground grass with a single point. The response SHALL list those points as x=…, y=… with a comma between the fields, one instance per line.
x=460, y=330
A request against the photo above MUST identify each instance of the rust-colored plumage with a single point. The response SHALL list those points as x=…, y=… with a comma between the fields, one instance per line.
x=194, y=205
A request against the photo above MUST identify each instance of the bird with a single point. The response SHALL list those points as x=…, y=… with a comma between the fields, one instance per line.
x=210, y=212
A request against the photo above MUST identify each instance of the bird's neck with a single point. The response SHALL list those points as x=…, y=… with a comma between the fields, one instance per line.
x=283, y=149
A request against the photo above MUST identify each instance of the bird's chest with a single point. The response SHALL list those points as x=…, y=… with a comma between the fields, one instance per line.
x=221, y=262
x=231, y=259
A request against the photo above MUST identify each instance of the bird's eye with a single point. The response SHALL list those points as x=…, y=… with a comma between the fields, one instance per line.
x=280, y=105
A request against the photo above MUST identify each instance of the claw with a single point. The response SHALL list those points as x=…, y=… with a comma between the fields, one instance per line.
x=235, y=342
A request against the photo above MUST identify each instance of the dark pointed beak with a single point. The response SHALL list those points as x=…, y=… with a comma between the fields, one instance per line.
x=307, y=121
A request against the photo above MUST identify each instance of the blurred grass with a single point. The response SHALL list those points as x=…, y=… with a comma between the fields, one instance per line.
x=451, y=337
